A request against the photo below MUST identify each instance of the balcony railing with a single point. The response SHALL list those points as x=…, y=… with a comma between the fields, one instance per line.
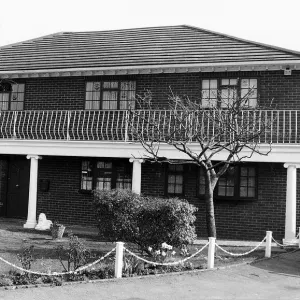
x=105, y=125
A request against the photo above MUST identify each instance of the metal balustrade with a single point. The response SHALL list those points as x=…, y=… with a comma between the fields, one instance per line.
x=113, y=125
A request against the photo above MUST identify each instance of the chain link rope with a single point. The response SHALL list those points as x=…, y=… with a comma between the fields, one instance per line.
x=57, y=273
x=241, y=254
x=282, y=245
x=165, y=264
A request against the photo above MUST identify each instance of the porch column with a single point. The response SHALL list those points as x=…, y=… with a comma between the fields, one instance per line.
x=136, y=174
x=32, y=199
x=290, y=212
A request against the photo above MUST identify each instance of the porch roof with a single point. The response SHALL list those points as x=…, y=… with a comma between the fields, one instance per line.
x=166, y=49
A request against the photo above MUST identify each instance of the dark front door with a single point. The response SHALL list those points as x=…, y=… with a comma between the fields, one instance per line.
x=18, y=188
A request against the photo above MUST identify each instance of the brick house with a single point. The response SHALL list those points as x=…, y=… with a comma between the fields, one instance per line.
x=63, y=102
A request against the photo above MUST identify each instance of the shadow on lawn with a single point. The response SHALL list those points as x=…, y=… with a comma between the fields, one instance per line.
x=287, y=263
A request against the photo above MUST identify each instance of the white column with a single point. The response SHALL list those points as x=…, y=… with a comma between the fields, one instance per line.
x=32, y=199
x=290, y=212
x=136, y=174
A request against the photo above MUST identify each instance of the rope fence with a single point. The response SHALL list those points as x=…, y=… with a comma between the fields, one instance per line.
x=57, y=273
x=120, y=251
x=241, y=254
x=166, y=264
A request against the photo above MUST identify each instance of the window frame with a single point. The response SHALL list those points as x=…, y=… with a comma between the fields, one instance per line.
x=113, y=169
x=239, y=88
x=10, y=93
x=167, y=172
x=237, y=182
x=105, y=89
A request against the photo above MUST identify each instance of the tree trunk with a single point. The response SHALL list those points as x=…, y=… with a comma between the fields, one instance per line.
x=210, y=214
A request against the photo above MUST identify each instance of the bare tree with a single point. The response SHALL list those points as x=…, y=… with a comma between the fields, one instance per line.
x=228, y=126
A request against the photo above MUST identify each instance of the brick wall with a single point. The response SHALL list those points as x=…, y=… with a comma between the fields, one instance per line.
x=234, y=219
x=63, y=201
x=69, y=92
x=3, y=185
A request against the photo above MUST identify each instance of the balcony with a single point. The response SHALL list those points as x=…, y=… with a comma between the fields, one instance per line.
x=84, y=125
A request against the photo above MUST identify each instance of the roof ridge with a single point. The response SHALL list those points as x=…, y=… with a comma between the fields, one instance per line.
x=31, y=40
x=125, y=29
x=289, y=51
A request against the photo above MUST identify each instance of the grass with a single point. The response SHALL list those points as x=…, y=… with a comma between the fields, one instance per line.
x=14, y=239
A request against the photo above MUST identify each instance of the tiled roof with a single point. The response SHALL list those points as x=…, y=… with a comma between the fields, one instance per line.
x=156, y=46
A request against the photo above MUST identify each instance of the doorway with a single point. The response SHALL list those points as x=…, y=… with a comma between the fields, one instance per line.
x=17, y=188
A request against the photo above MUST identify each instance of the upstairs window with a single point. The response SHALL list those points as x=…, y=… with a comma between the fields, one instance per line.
x=222, y=92
x=105, y=175
x=12, y=96
x=110, y=95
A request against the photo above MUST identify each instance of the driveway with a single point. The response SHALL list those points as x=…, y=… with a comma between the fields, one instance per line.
x=276, y=278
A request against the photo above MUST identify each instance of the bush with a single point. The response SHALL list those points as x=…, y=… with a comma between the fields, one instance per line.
x=145, y=221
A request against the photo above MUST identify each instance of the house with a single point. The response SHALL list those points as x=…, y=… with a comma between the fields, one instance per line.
x=64, y=100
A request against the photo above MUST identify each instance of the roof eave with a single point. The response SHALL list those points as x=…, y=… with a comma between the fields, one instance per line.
x=154, y=69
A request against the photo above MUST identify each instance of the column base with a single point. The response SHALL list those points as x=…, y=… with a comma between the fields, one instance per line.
x=30, y=224
x=291, y=241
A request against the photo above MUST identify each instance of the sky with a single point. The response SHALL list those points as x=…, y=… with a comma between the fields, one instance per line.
x=271, y=22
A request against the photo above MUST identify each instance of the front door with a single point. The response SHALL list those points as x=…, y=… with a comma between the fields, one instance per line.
x=18, y=188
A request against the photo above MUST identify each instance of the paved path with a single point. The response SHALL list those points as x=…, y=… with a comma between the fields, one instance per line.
x=243, y=282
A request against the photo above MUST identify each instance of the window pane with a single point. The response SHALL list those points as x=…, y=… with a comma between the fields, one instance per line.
x=4, y=98
x=251, y=171
x=233, y=81
x=110, y=100
x=178, y=189
x=92, y=95
x=110, y=84
x=175, y=179
x=86, y=175
x=179, y=179
x=171, y=178
x=230, y=191
x=251, y=192
x=243, y=192
x=245, y=83
x=253, y=83
x=225, y=82
x=209, y=92
x=221, y=191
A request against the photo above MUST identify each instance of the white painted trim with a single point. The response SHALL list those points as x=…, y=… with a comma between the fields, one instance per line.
x=281, y=153
x=156, y=69
x=296, y=165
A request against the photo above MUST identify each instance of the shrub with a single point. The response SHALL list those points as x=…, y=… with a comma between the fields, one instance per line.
x=145, y=221
x=76, y=254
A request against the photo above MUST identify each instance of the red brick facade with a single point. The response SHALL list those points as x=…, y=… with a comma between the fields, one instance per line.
x=234, y=219
x=69, y=93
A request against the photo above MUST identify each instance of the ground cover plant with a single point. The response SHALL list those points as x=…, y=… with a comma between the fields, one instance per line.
x=38, y=251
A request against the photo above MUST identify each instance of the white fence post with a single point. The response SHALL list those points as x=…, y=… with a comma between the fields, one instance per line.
x=299, y=237
x=211, y=252
x=268, y=244
x=119, y=259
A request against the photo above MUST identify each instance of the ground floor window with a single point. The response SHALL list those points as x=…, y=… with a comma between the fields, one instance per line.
x=239, y=182
x=105, y=174
x=175, y=180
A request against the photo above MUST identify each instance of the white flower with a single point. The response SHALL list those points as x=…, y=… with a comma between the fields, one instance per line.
x=150, y=249
x=173, y=252
x=163, y=253
x=164, y=245
x=157, y=252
